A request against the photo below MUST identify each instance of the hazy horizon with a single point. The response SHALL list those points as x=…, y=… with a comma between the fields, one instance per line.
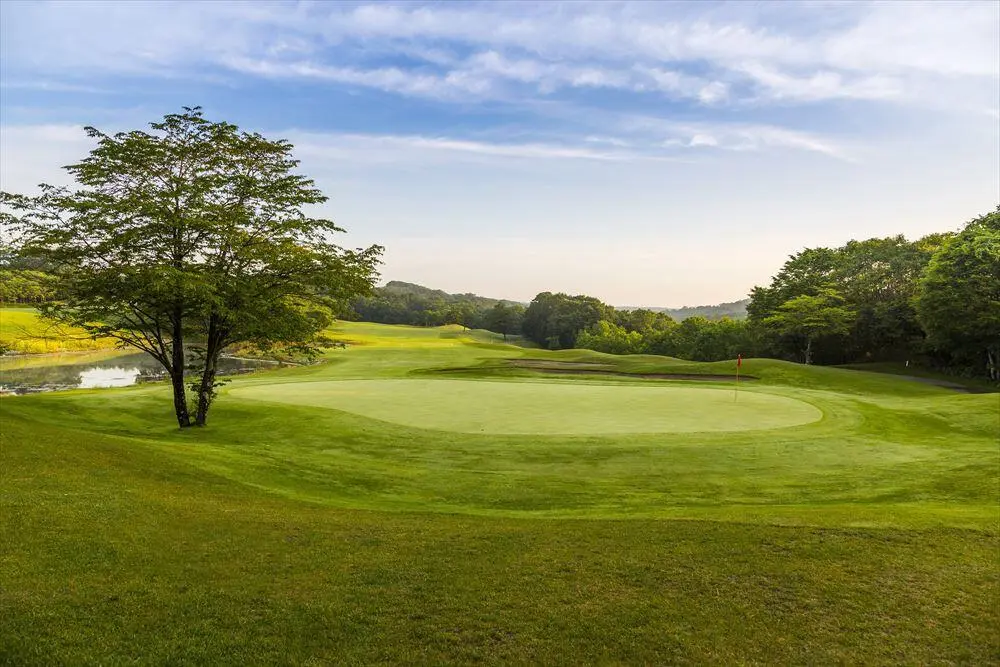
x=662, y=155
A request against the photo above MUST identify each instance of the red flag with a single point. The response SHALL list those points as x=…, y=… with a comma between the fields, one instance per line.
x=739, y=360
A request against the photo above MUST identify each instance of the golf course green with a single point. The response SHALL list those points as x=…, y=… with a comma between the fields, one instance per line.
x=426, y=497
x=549, y=408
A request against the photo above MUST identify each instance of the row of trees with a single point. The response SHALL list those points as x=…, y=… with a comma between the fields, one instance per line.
x=934, y=300
x=852, y=303
x=559, y=321
x=21, y=286
x=406, y=303
x=695, y=338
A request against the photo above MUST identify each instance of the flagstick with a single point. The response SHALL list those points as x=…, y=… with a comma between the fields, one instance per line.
x=736, y=392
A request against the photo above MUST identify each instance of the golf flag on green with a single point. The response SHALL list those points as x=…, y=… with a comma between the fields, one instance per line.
x=739, y=362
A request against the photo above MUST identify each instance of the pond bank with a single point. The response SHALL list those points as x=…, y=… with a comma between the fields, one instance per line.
x=62, y=371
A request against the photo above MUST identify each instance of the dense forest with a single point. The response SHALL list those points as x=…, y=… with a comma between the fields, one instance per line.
x=406, y=303
x=934, y=301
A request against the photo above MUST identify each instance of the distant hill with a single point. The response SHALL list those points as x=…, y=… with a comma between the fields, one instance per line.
x=736, y=310
x=401, y=288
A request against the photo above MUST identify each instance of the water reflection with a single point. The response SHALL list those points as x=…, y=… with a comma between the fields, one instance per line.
x=72, y=372
x=93, y=378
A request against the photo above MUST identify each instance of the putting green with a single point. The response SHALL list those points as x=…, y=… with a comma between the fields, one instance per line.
x=544, y=408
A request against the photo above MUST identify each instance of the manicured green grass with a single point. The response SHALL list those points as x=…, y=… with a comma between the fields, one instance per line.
x=544, y=408
x=913, y=371
x=353, y=532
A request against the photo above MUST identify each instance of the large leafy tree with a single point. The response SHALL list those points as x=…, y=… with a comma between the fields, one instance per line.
x=193, y=235
x=959, y=300
x=555, y=320
x=505, y=318
x=806, y=318
x=878, y=278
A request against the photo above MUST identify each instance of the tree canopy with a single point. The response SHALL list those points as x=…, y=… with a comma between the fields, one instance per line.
x=958, y=304
x=555, y=320
x=190, y=237
x=807, y=317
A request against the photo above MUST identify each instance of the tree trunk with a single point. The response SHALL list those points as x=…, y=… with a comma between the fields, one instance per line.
x=505, y=336
x=177, y=371
x=180, y=399
x=206, y=389
x=809, y=351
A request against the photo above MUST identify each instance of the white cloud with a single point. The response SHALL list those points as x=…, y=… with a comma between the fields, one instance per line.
x=390, y=79
x=821, y=85
x=734, y=136
x=877, y=51
x=703, y=140
x=415, y=148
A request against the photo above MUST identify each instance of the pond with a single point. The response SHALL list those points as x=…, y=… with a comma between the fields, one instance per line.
x=68, y=371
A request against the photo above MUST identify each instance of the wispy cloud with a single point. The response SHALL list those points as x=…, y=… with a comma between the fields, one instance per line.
x=880, y=51
x=416, y=148
x=733, y=137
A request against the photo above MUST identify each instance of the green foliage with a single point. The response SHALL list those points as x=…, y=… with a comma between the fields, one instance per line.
x=701, y=339
x=959, y=299
x=734, y=310
x=26, y=286
x=195, y=230
x=406, y=303
x=695, y=338
x=877, y=279
x=609, y=337
x=505, y=318
x=643, y=320
x=808, y=318
x=555, y=320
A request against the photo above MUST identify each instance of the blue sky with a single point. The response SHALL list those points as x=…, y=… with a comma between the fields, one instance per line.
x=645, y=153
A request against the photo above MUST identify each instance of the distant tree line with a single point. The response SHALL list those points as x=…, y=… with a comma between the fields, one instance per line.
x=24, y=281
x=736, y=310
x=935, y=301
x=559, y=321
x=406, y=303
x=25, y=287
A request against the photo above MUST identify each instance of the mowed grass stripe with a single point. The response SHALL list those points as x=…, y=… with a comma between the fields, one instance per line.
x=544, y=408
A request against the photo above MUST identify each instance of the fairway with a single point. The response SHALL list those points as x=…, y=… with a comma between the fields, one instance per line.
x=545, y=408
